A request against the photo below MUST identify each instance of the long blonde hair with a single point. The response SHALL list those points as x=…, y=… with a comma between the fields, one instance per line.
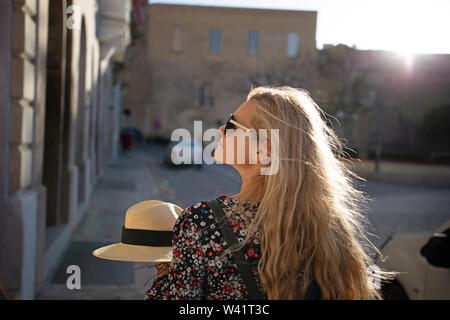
x=311, y=216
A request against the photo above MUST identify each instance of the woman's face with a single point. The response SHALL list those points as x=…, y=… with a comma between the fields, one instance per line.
x=229, y=155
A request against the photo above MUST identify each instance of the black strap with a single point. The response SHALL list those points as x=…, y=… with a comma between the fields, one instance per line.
x=238, y=256
x=152, y=238
x=312, y=292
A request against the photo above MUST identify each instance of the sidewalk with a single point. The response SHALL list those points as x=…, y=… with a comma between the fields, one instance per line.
x=127, y=181
x=402, y=172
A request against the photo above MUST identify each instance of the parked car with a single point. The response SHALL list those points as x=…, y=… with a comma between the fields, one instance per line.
x=423, y=261
x=176, y=149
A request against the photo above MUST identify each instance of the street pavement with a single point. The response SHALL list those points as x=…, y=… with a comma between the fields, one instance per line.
x=141, y=175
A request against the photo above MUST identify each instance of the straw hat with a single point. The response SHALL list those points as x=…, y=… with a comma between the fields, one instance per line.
x=147, y=234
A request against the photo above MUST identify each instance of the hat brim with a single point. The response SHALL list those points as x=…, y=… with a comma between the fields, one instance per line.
x=134, y=253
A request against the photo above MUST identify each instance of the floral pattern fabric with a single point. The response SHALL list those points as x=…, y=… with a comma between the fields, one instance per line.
x=196, y=272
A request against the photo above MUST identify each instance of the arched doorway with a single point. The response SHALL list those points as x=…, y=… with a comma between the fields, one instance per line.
x=82, y=119
x=55, y=135
x=65, y=206
x=98, y=122
x=93, y=115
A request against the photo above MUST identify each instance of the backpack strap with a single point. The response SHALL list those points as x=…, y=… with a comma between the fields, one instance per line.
x=238, y=256
x=313, y=291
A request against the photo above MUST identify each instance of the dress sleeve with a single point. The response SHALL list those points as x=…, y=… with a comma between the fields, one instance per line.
x=186, y=277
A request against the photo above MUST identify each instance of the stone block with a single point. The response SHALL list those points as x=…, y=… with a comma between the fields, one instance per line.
x=21, y=124
x=28, y=6
x=20, y=167
x=24, y=40
x=23, y=79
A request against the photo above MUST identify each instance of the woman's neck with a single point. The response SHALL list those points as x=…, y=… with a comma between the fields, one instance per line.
x=250, y=190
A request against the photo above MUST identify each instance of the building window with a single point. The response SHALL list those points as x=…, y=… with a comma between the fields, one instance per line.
x=253, y=39
x=206, y=96
x=292, y=44
x=177, y=39
x=214, y=41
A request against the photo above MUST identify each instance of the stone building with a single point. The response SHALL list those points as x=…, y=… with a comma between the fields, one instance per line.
x=60, y=84
x=383, y=95
x=198, y=62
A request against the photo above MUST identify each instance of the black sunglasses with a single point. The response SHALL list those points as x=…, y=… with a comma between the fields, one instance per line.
x=231, y=124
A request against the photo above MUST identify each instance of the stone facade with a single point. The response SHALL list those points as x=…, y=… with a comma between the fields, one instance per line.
x=61, y=92
x=200, y=61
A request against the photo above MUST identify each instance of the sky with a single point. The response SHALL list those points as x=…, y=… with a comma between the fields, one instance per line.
x=405, y=26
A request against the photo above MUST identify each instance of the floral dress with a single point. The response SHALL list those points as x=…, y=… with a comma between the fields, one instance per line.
x=196, y=272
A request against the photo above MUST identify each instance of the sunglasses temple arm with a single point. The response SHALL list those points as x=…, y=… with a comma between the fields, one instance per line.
x=239, y=125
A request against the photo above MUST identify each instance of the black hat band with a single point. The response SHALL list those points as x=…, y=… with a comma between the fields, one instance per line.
x=151, y=238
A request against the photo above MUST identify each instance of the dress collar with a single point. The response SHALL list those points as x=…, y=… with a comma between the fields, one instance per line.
x=245, y=203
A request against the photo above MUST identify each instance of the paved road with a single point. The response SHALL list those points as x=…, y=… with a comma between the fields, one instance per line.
x=141, y=175
x=397, y=208
x=189, y=185
x=394, y=207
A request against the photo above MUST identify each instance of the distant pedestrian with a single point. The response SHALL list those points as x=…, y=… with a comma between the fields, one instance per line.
x=126, y=135
x=300, y=228
x=157, y=124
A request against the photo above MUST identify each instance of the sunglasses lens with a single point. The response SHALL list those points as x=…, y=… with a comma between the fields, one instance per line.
x=229, y=125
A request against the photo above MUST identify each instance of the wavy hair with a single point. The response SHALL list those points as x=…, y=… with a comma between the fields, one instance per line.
x=311, y=216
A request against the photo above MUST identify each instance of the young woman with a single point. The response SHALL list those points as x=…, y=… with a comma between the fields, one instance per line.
x=301, y=225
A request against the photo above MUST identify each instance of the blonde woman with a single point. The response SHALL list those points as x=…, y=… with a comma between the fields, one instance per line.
x=299, y=226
